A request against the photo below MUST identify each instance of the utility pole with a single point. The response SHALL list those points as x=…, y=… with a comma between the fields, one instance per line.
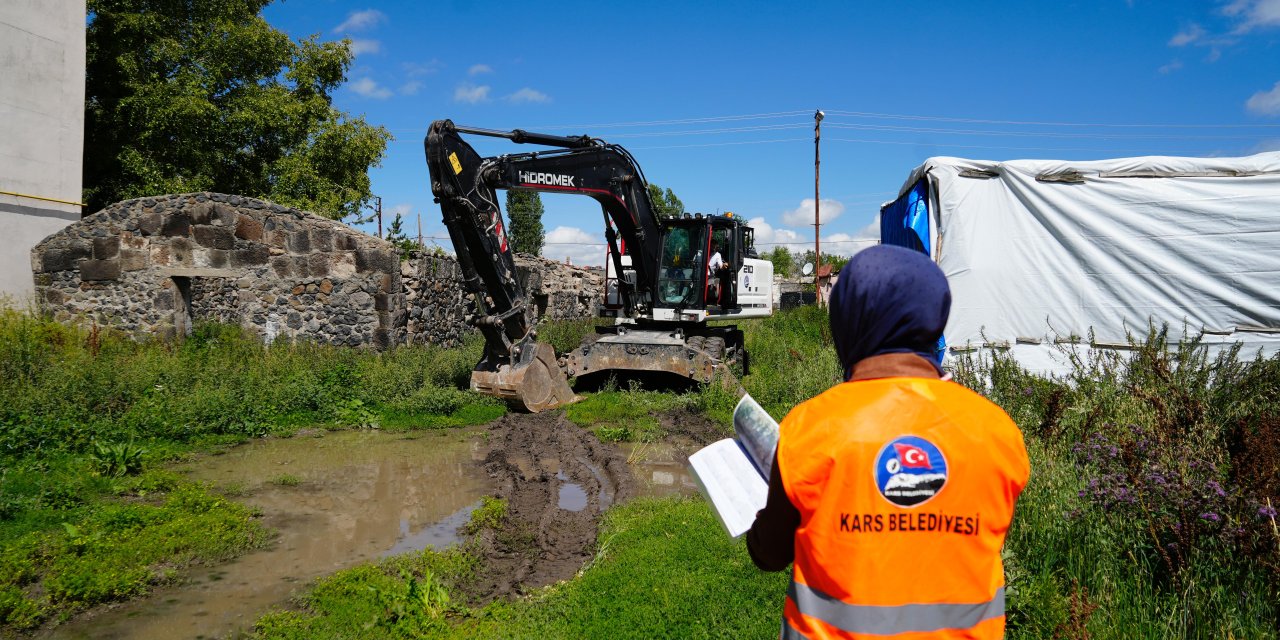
x=817, y=219
x=419, y=231
x=377, y=207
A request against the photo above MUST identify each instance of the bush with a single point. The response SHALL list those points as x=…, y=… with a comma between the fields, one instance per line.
x=1151, y=507
x=66, y=389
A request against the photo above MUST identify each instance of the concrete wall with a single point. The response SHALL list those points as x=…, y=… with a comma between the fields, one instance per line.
x=42, y=66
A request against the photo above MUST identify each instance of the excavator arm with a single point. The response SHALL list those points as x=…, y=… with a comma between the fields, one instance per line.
x=464, y=183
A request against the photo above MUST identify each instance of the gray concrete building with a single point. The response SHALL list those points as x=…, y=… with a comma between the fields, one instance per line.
x=42, y=67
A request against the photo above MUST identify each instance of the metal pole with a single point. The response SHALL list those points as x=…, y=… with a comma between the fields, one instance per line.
x=817, y=219
x=419, y=232
x=377, y=201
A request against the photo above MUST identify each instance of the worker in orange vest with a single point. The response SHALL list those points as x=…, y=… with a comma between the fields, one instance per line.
x=893, y=491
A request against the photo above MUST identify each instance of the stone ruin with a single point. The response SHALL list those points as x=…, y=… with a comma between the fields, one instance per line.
x=153, y=266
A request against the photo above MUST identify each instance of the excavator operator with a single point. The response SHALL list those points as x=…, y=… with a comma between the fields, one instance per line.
x=893, y=491
x=719, y=277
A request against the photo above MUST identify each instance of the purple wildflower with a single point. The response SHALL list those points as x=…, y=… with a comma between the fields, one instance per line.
x=1267, y=511
x=1210, y=516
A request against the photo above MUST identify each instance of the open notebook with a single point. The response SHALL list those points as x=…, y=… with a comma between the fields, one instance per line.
x=734, y=473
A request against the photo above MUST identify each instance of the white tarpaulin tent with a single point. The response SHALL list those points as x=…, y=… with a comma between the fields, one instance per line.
x=1041, y=251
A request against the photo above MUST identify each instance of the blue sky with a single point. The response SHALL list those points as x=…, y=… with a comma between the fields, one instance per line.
x=716, y=101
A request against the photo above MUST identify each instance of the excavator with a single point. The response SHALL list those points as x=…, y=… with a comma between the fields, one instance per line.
x=663, y=280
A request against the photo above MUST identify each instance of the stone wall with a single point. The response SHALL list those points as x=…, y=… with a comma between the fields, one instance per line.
x=437, y=308
x=153, y=266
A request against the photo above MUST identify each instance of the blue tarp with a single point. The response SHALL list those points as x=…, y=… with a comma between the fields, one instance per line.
x=905, y=221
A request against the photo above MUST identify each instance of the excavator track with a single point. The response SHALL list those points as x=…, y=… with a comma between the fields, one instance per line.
x=700, y=358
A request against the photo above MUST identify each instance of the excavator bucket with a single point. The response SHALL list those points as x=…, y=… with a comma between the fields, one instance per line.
x=535, y=385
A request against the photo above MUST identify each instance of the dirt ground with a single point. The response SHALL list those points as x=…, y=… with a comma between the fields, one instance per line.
x=543, y=465
x=557, y=478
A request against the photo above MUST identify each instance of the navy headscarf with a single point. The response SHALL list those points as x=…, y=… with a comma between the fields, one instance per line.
x=888, y=300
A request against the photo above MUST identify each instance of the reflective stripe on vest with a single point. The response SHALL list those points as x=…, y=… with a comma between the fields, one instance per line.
x=888, y=620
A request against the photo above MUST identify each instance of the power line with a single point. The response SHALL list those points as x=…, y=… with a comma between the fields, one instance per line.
x=1036, y=134
x=885, y=116
x=686, y=132
x=719, y=144
x=1005, y=147
x=650, y=123
x=899, y=116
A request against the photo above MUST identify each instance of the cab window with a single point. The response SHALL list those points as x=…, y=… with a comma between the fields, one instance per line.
x=682, y=258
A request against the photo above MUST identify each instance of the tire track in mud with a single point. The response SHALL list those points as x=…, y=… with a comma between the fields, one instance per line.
x=557, y=479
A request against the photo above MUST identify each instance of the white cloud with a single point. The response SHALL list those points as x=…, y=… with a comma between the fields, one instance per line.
x=471, y=94
x=1171, y=67
x=767, y=236
x=359, y=46
x=527, y=95
x=803, y=215
x=477, y=69
x=401, y=209
x=361, y=20
x=410, y=88
x=1254, y=14
x=1187, y=36
x=580, y=247
x=419, y=69
x=846, y=244
x=369, y=88
x=1265, y=103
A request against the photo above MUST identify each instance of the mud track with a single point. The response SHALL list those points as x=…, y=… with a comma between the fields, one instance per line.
x=557, y=478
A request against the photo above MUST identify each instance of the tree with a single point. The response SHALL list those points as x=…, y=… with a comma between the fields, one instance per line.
x=397, y=237
x=206, y=96
x=801, y=259
x=665, y=203
x=781, y=259
x=837, y=262
x=524, y=211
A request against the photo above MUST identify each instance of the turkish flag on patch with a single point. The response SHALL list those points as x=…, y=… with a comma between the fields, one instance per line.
x=912, y=457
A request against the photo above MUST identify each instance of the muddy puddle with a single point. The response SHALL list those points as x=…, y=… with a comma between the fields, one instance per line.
x=660, y=468
x=336, y=499
x=341, y=499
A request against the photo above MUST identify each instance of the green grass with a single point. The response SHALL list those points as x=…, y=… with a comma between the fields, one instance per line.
x=626, y=416
x=1166, y=537
x=87, y=417
x=489, y=515
x=1144, y=514
x=1081, y=560
x=110, y=548
x=286, y=480
x=65, y=389
x=664, y=568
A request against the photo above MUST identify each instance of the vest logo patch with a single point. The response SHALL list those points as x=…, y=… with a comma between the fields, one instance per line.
x=910, y=471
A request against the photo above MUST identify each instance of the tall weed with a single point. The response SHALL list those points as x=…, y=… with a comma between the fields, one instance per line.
x=64, y=388
x=1151, y=507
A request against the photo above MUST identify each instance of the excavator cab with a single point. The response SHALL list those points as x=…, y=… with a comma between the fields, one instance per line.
x=686, y=279
x=681, y=278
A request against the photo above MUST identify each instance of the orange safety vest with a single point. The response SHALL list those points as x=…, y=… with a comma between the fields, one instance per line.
x=905, y=488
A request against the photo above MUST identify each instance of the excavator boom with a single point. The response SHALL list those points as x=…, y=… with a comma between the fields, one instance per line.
x=673, y=337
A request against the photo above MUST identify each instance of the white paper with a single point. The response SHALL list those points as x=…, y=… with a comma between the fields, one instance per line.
x=757, y=432
x=731, y=482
